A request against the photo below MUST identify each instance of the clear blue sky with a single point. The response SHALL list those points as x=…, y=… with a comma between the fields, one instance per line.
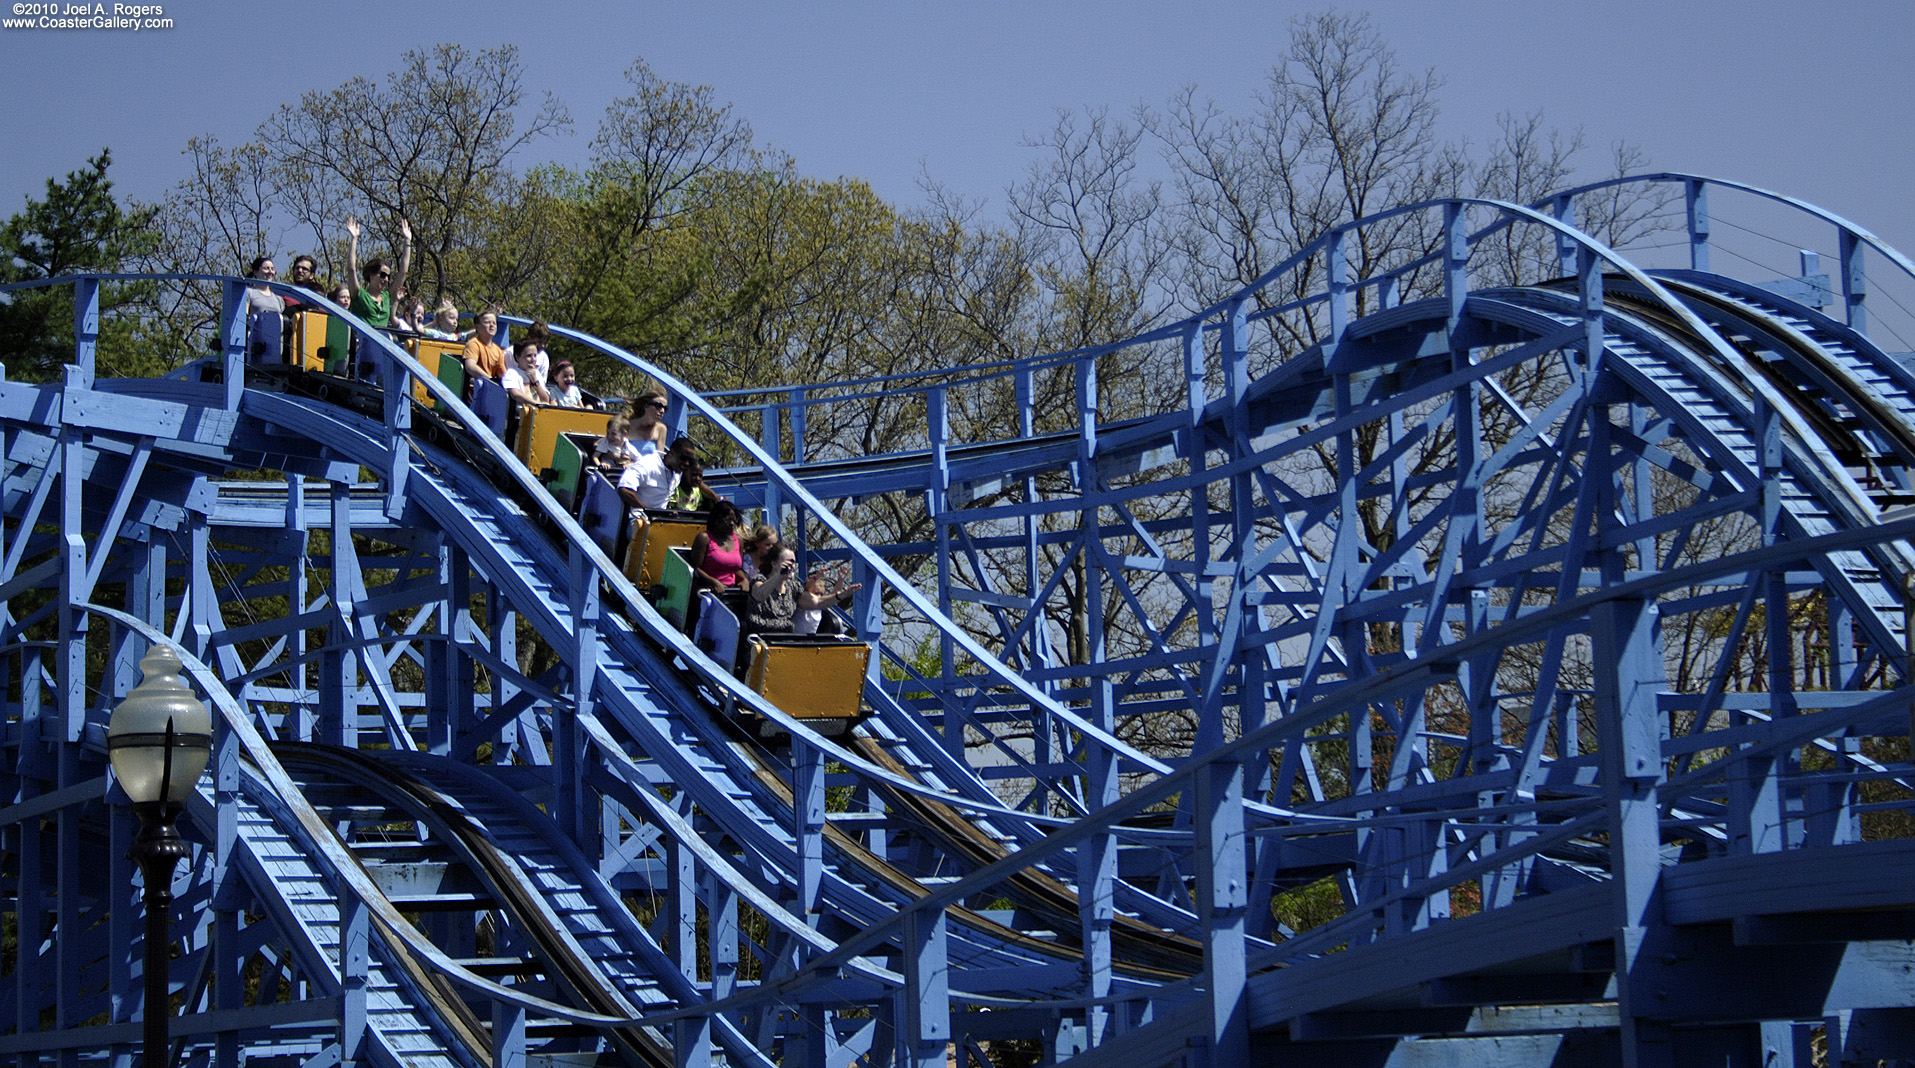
x=1807, y=99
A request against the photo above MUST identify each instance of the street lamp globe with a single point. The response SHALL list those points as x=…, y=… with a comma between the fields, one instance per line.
x=161, y=736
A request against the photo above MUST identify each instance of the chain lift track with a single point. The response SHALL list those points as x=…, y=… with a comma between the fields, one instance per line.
x=1387, y=667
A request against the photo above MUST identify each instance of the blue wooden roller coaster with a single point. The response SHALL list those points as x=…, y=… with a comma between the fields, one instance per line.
x=1391, y=664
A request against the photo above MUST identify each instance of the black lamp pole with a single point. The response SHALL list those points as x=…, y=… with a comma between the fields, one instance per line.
x=159, y=740
x=157, y=851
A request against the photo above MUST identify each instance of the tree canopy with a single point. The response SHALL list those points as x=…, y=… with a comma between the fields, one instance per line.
x=685, y=241
x=78, y=227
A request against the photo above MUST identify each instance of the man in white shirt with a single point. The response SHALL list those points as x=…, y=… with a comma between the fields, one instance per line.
x=648, y=481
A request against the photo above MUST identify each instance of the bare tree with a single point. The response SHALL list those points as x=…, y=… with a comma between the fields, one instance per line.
x=1340, y=132
x=1625, y=213
x=213, y=223
x=432, y=145
x=227, y=205
x=1091, y=224
x=1098, y=252
x=1526, y=163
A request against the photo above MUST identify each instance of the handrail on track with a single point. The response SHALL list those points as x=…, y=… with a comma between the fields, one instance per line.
x=1843, y=226
x=399, y=370
x=1779, y=737
x=351, y=878
x=1391, y=681
x=400, y=365
x=803, y=397
x=346, y=872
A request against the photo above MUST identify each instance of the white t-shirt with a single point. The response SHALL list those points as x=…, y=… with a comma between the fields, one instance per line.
x=648, y=477
x=623, y=455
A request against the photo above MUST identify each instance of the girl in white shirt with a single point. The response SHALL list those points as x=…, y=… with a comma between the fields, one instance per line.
x=813, y=600
x=564, y=386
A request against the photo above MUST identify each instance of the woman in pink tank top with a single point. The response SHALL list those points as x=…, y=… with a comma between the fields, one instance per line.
x=716, y=553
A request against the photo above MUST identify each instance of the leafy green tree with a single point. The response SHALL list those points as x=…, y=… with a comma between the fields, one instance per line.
x=78, y=228
x=653, y=163
x=804, y=269
x=642, y=286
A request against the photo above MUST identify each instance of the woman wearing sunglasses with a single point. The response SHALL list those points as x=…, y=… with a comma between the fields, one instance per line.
x=372, y=299
x=648, y=421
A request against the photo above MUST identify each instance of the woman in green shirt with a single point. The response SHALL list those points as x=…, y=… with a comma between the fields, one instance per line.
x=372, y=300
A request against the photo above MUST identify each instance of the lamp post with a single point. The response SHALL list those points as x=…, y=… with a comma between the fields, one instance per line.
x=158, y=740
